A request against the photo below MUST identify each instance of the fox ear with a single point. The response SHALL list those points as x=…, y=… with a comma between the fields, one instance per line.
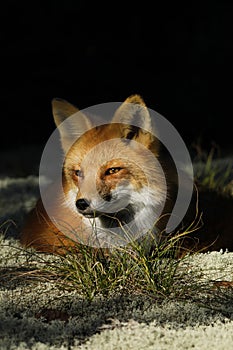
x=70, y=122
x=133, y=112
x=62, y=110
x=135, y=121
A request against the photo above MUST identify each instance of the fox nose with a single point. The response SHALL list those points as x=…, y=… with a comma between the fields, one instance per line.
x=82, y=204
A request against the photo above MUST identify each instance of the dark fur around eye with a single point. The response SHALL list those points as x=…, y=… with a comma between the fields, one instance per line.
x=78, y=173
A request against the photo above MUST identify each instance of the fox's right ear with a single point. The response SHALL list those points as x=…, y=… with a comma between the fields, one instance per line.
x=62, y=110
x=70, y=122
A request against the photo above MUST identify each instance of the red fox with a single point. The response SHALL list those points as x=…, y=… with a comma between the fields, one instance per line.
x=116, y=185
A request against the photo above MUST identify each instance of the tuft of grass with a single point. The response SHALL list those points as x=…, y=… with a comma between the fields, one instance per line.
x=130, y=269
x=211, y=172
x=145, y=267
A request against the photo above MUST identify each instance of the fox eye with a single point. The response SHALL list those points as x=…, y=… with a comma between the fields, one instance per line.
x=78, y=173
x=111, y=171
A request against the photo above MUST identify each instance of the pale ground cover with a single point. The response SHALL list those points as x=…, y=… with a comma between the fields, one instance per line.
x=36, y=315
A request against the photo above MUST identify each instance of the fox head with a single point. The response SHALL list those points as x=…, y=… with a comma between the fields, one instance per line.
x=111, y=171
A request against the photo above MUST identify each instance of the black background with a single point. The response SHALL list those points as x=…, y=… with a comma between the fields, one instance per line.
x=179, y=57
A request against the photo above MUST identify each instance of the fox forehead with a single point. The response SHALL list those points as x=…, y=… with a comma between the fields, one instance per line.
x=99, y=145
x=97, y=135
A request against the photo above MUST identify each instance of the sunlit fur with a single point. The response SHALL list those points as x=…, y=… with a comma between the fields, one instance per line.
x=139, y=186
x=125, y=202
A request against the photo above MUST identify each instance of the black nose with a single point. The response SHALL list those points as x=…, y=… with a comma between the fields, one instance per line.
x=82, y=204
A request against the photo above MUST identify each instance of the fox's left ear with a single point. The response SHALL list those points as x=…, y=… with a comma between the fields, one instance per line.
x=135, y=120
x=133, y=111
